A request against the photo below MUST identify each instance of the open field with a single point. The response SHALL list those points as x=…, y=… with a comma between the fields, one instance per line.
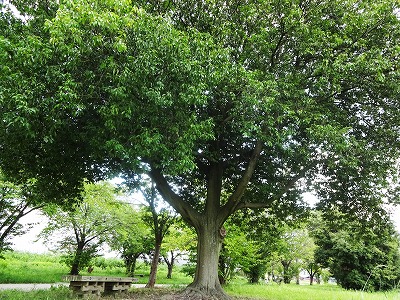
x=45, y=268
x=34, y=268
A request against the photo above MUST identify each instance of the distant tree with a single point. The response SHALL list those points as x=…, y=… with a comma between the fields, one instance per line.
x=159, y=218
x=239, y=251
x=177, y=243
x=132, y=238
x=363, y=256
x=293, y=249
x=15, y=202
x=83, y=230
x=312, y=268
x=245, y=246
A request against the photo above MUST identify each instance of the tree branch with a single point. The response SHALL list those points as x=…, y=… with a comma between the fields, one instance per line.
x=290, y=184
x=188, y=213
x=237, y=195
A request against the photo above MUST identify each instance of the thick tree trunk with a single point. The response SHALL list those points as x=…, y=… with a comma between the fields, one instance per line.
x=154, y=266
x=206, y=283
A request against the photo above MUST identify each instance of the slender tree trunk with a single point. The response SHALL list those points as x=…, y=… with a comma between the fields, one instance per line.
x=75, y=266
x=154, y=266
x=170, y=264
x=130, y=263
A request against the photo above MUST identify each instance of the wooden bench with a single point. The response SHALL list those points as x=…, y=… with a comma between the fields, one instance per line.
x=96, y=285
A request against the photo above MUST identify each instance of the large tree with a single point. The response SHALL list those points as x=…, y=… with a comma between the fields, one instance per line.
x=226, y=105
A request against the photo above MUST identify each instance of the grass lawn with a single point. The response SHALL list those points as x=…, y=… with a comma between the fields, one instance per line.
x=45, y=268
x=20, y=267
x=305, y=292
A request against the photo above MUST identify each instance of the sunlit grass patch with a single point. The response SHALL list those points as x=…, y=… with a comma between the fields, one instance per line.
x=306, y=292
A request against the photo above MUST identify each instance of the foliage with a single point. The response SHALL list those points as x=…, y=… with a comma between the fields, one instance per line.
x=132, y=238
x=295, y=249
x=84, y=229
x=16, y=201
x=245, y=245
x=31, y=268
x=46, y=268
x=159, y=218
x=359, y=257
x=179, y=241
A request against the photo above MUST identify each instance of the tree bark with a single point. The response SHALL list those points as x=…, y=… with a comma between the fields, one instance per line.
x=206, y=283
x=170, y=264
x=76, y=264
x=154, y=266
x=130, y=263
x=286, y=273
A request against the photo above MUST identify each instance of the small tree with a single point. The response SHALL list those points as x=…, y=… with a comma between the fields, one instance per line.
x=159, y=218
x=15, y=203
x=84, y=229
x=295, y=246
x=132, y=239
x=177, y=243
x=239, y=250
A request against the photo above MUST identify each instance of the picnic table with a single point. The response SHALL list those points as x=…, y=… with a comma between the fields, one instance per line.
x=96, y=285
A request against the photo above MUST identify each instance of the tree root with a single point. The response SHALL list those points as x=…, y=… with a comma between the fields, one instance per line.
x=195, y=293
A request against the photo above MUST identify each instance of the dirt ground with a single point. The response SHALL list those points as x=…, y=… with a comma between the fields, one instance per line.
x=159, y=294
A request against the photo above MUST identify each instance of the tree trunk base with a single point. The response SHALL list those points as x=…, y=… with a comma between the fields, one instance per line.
x=199, y=293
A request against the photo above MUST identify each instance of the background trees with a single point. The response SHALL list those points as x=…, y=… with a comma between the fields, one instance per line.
x=359, y=256
x=294, y=249
x=177, y=244
x=159, y=219
x=132, y=238
x=85, y=229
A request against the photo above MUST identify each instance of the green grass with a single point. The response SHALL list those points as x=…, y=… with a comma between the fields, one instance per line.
x=178, y=277
x=20, y=267
x=305, y=292
x=46, y=268
x=62, y=293
x=266, y=292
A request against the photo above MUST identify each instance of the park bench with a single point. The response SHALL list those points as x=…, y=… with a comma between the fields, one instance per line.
x=96, y=285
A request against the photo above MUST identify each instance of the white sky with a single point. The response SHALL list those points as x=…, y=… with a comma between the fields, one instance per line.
x=27, y=241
